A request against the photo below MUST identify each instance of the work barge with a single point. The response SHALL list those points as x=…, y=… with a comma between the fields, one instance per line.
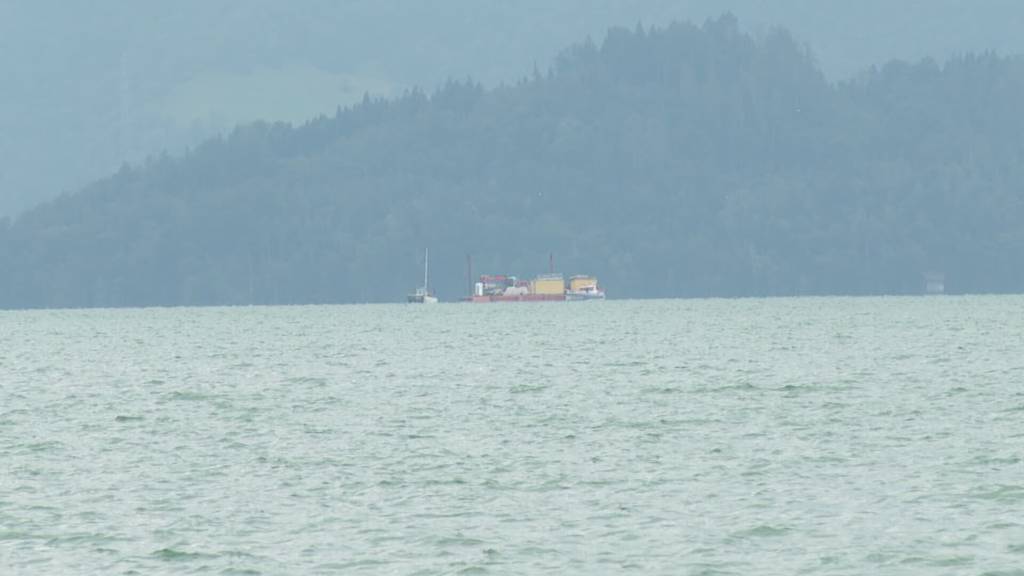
x=543, y=288
x=488, y=288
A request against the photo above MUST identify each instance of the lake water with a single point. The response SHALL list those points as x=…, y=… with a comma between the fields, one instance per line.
x=788, y=436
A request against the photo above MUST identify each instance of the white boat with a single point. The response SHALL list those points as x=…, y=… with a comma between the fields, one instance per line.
x=423, y=295
x=585, y=293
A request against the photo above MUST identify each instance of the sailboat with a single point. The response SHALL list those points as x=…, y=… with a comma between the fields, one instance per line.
x=423, y=295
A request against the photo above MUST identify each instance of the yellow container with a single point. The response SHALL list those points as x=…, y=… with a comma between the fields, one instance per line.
x=548, y=285
x=578, y=283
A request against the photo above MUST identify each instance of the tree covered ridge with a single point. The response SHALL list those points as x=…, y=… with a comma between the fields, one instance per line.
x=681, y=161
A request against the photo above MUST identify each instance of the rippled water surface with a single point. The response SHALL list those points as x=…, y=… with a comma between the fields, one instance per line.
x=805, y=436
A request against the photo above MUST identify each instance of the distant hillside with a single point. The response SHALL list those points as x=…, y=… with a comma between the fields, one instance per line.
x=684, y=161
x=88, y=86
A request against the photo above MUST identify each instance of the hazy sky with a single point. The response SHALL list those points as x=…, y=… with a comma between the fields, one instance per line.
x=88, y=86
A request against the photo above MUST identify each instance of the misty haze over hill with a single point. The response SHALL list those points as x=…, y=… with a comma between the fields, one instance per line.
x=88, y=86
x=677, y=161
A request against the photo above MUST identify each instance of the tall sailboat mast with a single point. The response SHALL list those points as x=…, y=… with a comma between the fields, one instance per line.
x=422, y=294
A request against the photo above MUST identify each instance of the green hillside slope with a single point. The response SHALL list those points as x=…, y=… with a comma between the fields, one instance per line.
x=684, y=161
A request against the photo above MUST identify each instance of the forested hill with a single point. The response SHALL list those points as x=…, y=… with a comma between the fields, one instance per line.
x=684, y=161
